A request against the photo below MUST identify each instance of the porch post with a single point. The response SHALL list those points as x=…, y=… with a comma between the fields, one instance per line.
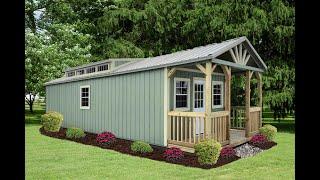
x=247, y=106
x=207, y=129
x=260, y=95
x=227, y=99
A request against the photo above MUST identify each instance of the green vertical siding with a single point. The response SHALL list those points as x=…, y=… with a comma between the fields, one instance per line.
x=130, y=105
x=191, y=75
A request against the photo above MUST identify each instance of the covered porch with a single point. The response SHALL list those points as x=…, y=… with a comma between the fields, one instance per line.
x=198, y=110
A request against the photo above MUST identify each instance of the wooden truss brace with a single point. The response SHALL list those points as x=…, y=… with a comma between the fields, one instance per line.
x=239, y=55
x=171, y=72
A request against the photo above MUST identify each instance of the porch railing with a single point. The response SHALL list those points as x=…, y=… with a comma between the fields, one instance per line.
x=255, y=120
x=187, y=128
x=238, y=117
x=219, y=126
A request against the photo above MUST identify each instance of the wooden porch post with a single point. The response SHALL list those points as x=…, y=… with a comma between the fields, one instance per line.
x=247, y=106
x=227, y=99
x=259, y=77
x=207, y=129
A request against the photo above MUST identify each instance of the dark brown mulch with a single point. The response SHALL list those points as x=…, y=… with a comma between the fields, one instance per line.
x=266, y=145
x=123, y=146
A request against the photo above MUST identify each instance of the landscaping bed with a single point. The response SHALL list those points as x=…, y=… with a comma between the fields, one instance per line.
x=123, y=146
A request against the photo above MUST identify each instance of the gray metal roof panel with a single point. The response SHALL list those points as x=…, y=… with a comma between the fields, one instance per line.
x=181, y=57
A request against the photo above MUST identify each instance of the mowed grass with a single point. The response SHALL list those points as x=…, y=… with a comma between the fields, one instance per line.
x=34, y=118
x=50, y=158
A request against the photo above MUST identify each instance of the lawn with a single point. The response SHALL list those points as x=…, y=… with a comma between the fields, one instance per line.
x=49, y=158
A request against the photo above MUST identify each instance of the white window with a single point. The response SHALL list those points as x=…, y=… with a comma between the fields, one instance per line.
x=80, y=72
x=181, y=94
x=71, y=73
x=85, y=97
x=103, y=67
x=217, y=94
x=91, y=69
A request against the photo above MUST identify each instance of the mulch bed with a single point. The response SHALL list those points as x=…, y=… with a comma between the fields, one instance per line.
x=123, y=146
x=266, y=145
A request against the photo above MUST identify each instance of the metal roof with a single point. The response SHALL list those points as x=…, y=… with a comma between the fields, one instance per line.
x=197, y=54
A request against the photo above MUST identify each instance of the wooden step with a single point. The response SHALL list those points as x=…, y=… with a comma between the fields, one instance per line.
x=186, y=149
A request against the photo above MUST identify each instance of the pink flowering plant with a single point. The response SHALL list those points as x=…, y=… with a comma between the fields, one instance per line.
x=258, y=139
x=227, y=152
x=106, y=138
x=173, y=154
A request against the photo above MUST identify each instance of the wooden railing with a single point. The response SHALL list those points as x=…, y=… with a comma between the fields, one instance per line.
x=219, y=126
x=182, y=128
x=238, y=117
x=255, y=120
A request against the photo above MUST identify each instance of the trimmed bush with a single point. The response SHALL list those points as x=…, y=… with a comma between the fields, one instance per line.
x=106, y=138
x=141, y=147
x=75, y=133
x=258, y=139
x=173, y=154
x=227, y=152
x=208, y=151
x=51, y=121
x=269, y=131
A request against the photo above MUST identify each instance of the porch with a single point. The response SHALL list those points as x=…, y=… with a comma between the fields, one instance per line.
x=230, y=125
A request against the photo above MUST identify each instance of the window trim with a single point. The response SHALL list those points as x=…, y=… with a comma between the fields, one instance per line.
x=89, y=94
x=204, y=91
x=222, y=94
x=188, y=94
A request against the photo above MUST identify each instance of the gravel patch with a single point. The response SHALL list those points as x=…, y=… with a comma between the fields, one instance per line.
x=246, y=150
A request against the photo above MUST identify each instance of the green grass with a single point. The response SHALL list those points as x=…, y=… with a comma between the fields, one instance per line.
x=50, y=158
x=34, y=118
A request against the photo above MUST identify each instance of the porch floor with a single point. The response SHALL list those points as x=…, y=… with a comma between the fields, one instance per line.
x=237, y=137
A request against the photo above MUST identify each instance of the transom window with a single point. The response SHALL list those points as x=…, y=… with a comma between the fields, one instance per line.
x=80, y=72
x=85, y=97
x=217, y=94
x=103, y=67
x=71, y=73
x=91, y=70
x=182, y=93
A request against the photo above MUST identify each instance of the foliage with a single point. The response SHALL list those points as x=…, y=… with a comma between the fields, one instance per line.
x=141, y=147
x=258, y=139
x=145, y=28
x=106, y=138
x=227, y=152
x=51, y=121
x=173, y=154
x=208, y=151
x=269, y=131
x=75, y=133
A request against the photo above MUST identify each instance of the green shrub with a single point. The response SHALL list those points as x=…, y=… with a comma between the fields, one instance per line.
x=141, y=147
x=75, y=133
x=269, y=131
x=51, y=121
x=208, y=151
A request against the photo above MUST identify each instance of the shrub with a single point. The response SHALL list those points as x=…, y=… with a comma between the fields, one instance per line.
x=106, y=138
x=227, y=152
x=51, y=121
x=258, y=139
x=173, y=154
x=141, y=147
x=208, y=151
x=75, y=133
x=269, y=131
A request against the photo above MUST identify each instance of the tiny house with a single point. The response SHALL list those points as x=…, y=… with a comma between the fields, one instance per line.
x=173, y=99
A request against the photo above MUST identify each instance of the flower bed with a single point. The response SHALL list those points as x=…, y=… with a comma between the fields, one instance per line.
x=124, y=146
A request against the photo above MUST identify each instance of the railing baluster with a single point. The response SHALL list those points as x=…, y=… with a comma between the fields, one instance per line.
x=189, y=120
x=174, y=127
x=194, y=129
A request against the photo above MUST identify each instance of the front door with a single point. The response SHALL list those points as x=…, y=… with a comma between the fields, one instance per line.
x=199, y=102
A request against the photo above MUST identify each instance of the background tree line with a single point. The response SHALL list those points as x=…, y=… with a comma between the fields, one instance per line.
x=73, y=32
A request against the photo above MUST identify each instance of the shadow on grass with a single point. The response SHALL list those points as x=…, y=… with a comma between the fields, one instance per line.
x=33, y=118
x=283, y=126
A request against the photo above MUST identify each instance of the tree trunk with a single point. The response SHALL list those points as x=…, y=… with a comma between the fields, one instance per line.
x=31, y=107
